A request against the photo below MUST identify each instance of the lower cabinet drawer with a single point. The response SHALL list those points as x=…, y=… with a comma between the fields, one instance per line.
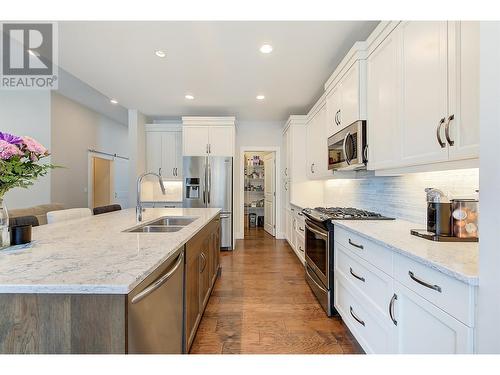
x=373, y=283
x=370, y=251
x=369, y=328
x=301, y=244
x=447, y=293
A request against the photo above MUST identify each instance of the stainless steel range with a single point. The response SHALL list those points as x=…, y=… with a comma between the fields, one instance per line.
x=319, y=248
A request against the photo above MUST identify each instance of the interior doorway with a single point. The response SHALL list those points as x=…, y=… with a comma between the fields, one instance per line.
x=259, y=193
x=107, y=180
x=102, y=186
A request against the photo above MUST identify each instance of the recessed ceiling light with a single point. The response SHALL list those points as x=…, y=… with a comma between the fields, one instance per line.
x=266, y=48
x=189, y=97
x=160, y=53
x=113, y=101
x=260, y=97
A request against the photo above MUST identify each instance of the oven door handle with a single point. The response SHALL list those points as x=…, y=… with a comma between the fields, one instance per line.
x=322, y=235
x=315, y=282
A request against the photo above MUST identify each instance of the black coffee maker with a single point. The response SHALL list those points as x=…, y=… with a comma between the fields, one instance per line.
x=438, y=213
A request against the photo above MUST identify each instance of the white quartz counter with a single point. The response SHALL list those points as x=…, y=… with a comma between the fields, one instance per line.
x=456, y=259
x=93, y=255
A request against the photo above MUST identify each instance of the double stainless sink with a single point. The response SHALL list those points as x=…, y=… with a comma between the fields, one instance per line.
x=165, y=224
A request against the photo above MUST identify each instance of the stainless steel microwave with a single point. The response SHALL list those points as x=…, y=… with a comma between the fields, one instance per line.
x=347, y=149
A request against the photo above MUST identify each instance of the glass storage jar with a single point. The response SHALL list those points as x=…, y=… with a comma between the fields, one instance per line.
x=465, y=215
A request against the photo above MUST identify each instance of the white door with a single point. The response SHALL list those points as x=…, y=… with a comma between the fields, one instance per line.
x=120, y=182
x=349, y=97
x=178, y=155
x=424, y=80
x=384, y=99
x=195, y=140
x=153, y=151
x=270, y=193
x=221, y=140
x=423, y=328
x=333, y=111
x=463, y=111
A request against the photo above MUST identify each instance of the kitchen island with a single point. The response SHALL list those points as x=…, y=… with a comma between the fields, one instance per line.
x=73, y=289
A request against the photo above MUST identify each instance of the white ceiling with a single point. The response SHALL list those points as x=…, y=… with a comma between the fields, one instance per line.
x=218, y=62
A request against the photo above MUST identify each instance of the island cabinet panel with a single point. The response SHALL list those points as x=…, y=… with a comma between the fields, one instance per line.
x=202, y=266
x=62, y=324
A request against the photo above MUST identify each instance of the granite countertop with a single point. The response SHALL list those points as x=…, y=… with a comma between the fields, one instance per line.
x=456, y=259
x=93, y=255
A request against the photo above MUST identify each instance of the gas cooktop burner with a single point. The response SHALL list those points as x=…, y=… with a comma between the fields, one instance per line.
x=342, y=213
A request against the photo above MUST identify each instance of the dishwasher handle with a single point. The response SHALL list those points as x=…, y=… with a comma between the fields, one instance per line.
x=158, y=283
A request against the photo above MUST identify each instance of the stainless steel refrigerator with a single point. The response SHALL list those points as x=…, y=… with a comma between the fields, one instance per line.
x=208, y=182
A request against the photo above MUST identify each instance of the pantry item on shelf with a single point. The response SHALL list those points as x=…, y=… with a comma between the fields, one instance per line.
x=465, y=215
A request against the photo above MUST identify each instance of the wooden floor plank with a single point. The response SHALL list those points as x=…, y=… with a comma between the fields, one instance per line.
x=261, y=304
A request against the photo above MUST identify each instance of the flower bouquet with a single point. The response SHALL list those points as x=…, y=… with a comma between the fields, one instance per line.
x=20, y=166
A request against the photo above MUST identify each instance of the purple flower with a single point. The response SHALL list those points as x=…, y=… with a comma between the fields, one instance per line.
x=12, y=139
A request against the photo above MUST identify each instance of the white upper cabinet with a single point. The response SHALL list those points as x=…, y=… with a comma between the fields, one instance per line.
x=195, y=140
x=164, y=150
x=317, y=144
x=384, y=133
x=333, y=100
x=221, y=140
x=346, y=100
x=423, y=94
x=424, y=91
x=350, y=96
x=294, y=156
x=463, y=100
x=204, y=136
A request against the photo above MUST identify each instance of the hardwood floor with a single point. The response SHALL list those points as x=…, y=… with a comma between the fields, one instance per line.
x=261, y=304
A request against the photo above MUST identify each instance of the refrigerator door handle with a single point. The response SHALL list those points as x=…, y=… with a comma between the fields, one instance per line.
x=209, y=180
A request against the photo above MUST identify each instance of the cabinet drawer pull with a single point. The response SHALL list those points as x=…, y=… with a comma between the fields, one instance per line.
x=356, y=276
x=355, y=244
x=447, y=130
x=300, y=214
x=355, y=317
x=301, y=249
x=301, y=229
x=424, y=283
x=204, y=262
x=438, y=133
x=391, y=309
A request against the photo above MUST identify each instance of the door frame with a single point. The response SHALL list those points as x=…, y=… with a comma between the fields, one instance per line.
x=240, y=230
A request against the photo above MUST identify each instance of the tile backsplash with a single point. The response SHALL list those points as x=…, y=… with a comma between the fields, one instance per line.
x=402, y=197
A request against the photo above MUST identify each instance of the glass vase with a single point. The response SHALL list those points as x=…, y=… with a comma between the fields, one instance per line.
x=4, y=226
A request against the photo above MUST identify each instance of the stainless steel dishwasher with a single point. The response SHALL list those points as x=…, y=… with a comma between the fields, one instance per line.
x=156, y=310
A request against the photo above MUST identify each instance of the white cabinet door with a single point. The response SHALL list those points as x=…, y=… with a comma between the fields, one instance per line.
x=350, y=99
x=178, y=153
x=423, y=328
x=153, y=151
x=333, y=111
x=463, y=115
x=310, y=147
x=169, y=154
x=221, y=140
x=424, y=108
x=195, y=140
x=320, y=145
x=384, y=103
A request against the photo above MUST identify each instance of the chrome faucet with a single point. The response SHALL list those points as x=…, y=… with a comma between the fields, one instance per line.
x=138, y=208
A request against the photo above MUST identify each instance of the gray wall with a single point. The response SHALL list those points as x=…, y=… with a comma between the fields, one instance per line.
x=27, y=112
x=75, y=129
